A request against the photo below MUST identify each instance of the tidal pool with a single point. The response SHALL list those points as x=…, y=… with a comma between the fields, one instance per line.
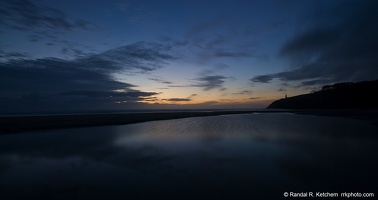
x=249, y=156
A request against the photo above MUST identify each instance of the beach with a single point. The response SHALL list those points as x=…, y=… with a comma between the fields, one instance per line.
x=17, y=124
x=228, y=156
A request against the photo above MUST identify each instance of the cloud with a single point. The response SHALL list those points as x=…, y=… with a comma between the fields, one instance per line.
x=160, y=80
x=13, y=55
x=129, y=96
x=138, y=57
x=244, y=92
x=43, y=25
x=177, y=99
x=35, y=38
x=262, y=78
x=192, y=95
x=230, y=41
x=210, y=82
x=222, y=53
x=59, y=85
x=310, y=41
x=123, y=5
x=25, y=15
x=213, y=70
x=181, y=99
x=48, y=75
x=339, y=45
x=207, y=82
x=87, y=82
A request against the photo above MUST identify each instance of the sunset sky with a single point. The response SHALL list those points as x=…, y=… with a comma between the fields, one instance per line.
x=67, y=55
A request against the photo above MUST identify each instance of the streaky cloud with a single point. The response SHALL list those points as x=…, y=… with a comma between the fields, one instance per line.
x=139, y=57
x=50, y=84
x=228, y=42
x=160, y=80
x=25, y=15
x=244, y=92
x=130, y=95
x=4, y=56
x=310, y=41
x=262, y=78
x=177, y=99
x=206, y=82
x=339, y=45
x=210, y=82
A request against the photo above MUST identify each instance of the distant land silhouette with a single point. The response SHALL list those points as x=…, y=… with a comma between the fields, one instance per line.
x=347, y=95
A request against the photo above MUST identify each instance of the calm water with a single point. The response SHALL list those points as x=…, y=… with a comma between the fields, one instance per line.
x=251, y=156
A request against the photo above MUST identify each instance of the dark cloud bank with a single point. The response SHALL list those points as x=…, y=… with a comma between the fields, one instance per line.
x=86, y=84
x=211, y=82
x=207, y=82
x=26, y=15
x=340, y=44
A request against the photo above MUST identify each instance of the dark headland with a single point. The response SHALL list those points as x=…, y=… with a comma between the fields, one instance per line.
x=347, y=95
x=351, y=100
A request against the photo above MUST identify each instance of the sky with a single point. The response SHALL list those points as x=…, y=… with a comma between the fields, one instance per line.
x=89, y=55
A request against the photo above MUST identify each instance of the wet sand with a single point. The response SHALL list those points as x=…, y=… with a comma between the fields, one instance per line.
x=248, y=156
x=16, y=124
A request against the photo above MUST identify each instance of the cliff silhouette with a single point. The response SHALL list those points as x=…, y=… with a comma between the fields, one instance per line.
x=347, y=95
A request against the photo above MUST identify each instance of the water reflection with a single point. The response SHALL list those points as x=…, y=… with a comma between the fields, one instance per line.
x=234, y=156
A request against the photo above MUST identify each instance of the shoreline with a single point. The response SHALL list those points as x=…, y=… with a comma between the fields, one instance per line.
x=19, y=124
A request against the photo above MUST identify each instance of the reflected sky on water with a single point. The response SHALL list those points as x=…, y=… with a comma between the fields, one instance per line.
x=230, y=156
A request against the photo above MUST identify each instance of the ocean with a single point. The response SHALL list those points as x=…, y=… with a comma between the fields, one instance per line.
x=242, y=156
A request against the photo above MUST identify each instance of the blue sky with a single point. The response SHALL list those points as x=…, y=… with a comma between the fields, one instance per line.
x=99, y=55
